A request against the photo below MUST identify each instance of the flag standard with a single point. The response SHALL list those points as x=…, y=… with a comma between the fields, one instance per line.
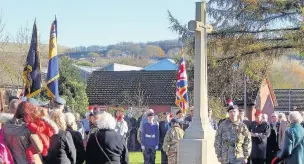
x=32, y=70
x=53, y=68
x=182, y=99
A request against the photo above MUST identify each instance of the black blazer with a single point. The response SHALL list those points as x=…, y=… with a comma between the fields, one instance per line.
x=77, y=139
x=62, y=149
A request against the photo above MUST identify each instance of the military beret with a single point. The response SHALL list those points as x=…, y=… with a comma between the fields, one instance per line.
x=91, y=114
x=33, y=101
x=257, y=113
x=173, y=121
x=96, y=112
x=150, y=114
x=230, y=107
x=178, y=112
x=59, y=100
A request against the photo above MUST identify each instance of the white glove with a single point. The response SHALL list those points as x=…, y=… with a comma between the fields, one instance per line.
x=143, y=147
x=156, y=147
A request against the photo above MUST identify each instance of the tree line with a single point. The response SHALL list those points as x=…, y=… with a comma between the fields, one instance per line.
x=166, y=48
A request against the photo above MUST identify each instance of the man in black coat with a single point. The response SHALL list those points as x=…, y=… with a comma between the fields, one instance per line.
x=131, y=135
x=272, y=141
x=164, y=125
x=260, y=131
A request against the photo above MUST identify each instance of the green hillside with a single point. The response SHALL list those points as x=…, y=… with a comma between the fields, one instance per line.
x=12, y=58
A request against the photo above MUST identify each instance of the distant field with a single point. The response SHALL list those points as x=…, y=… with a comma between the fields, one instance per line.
x=137, y=158
x=12, y=59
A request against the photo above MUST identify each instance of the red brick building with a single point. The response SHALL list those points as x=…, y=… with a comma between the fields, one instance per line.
x=153, y=89
x=156, y=90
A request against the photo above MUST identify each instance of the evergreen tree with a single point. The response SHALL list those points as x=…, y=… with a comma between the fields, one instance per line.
x=248, y=34
x=71, y=87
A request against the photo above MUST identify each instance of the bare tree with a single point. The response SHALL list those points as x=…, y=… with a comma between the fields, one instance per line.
x=3, y=37
x=127, y=99
x=22, y=41
x=138, y=100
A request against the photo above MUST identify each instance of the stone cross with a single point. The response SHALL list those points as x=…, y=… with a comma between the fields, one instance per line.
x=197, y=146
x=200, y=118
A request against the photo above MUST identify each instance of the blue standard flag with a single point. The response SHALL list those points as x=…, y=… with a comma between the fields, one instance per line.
x=32, y=70
x=53, y=69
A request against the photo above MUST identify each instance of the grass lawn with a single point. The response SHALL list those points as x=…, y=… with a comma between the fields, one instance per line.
x=137, y=157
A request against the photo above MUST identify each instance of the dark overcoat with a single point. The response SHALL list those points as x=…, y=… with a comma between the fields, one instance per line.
x=259, y=143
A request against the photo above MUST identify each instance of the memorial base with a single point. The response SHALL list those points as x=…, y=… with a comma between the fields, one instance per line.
x=197, y=151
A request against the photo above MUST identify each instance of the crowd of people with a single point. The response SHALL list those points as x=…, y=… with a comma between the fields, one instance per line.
x=32, y=133
x=241, y=141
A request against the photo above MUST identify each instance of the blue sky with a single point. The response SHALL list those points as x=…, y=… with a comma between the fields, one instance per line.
x=97, y=22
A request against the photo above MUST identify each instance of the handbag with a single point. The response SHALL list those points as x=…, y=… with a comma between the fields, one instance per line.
x=101, y=147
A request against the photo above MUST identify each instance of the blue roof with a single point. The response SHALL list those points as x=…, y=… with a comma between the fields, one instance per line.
x=166, y=64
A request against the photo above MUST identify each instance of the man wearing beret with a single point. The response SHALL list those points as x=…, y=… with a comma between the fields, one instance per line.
x=232, y=141
x=59, y=104
x=150, y=139
x=260, y=131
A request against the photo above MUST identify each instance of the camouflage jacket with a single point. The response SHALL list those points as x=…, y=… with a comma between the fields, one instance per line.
x=172, y=136
x=232, y=142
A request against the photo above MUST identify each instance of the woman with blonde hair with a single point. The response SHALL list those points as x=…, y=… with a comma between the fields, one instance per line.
x=62, y=149
x=77, y=138
x=293, y=147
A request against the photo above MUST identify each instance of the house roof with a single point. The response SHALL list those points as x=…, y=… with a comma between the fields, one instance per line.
x=165, y=64
x=120, y=67
x=114, y=87
x=86, y=69
x=289, y=98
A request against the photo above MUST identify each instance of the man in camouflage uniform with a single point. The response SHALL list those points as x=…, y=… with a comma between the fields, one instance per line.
x=170, y=146
x=232, y=141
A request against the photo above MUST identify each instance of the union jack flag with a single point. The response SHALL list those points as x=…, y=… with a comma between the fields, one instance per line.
x=182, y=86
